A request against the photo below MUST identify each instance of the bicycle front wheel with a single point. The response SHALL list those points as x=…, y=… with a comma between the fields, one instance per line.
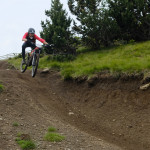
x=23, y=67
x=35, y=63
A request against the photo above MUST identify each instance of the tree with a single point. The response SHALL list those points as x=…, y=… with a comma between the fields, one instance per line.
x=133, y=18
x=56, y=29
x=96, y=27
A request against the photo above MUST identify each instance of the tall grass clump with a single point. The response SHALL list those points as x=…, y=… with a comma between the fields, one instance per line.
x=1, y=87
x=52, y=136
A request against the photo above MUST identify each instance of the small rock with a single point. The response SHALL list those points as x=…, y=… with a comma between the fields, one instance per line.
x=1, y=118
x=92, y=81
x=130, y=126
x=71, y=113
x=46, y=70
x=145, y=87
x=25, y=137
x=114, y=120
x=81, y=79
x=20, y=115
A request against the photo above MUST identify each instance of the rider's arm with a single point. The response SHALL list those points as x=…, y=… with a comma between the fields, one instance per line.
x=45, y=43
x=24, y=40
x=40, y=39
x=25, y=37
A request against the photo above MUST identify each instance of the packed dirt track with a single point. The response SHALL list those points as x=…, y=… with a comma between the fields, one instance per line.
x=109, y=115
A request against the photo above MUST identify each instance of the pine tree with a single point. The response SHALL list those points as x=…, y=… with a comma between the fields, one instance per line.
x=96, y=27
x=56, y=29
x=133, y=18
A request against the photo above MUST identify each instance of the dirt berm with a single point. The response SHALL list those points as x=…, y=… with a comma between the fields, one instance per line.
x=106, y=113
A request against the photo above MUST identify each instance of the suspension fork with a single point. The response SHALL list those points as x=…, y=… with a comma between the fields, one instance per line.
x=34, y=59
x=35, y=56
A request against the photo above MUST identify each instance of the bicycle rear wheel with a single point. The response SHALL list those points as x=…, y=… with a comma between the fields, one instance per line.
x=35, y=63
x=23, y=67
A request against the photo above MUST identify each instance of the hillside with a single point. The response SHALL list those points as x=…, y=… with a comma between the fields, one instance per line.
x=126, y=58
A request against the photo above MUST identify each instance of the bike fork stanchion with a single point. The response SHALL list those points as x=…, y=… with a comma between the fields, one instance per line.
x=34, y=60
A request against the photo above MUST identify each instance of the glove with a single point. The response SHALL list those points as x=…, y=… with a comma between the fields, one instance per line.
x=47, y=46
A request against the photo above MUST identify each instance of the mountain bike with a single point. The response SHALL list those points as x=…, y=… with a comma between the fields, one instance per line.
x=32, y=59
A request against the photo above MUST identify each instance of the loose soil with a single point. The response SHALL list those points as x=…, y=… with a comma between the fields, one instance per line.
x=107, y=113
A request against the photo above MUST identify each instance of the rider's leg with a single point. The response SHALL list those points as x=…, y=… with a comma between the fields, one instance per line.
x=24, y=46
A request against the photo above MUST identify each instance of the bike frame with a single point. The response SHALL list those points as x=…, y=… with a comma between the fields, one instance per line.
x=33, y=59
x=37, y=48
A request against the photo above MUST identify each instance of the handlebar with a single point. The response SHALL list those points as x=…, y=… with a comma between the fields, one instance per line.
x=47, y=46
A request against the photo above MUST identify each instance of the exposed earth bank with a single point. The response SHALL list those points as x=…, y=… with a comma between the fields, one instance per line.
x=104, y=114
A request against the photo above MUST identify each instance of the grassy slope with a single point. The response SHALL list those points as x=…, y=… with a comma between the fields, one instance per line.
x=126, y=58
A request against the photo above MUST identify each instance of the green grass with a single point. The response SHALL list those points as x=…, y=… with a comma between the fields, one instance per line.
x=19, y=134
x=53, y=137
x=126, y=58
x=15, y=124
x=51, y=129
x=15, y=62
x=1, y=87
x=25, y=144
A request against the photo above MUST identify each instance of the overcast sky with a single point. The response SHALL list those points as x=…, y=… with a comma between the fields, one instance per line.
x=16, y=17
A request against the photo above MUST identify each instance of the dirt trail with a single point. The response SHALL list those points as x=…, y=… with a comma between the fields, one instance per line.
x=91, y=118
x=34, y=104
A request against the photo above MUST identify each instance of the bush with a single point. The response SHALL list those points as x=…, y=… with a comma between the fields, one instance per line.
x=18, y=56
x=96, y=27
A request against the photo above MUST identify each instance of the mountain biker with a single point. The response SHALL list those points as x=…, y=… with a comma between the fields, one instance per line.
x=29, y=39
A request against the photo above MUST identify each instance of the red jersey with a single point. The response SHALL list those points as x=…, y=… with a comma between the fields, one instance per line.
x=26, y=36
